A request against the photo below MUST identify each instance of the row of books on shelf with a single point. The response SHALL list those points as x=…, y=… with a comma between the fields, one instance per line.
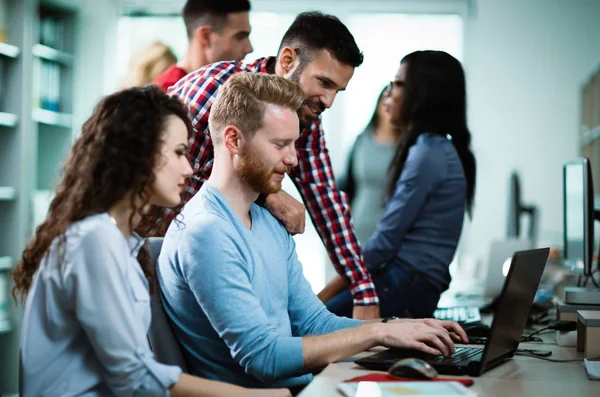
x=1, y=76
x=52, y=32
x=3, y=20
x=4, y=296
x=46, y=85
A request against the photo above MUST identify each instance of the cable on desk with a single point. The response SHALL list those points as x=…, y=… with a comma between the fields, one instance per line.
x=559, y=361
x=556, y=325
x=529, y=337
x=540, y=316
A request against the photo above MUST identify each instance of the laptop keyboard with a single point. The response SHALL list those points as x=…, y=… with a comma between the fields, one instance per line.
x=460, y=314
x=461, y=355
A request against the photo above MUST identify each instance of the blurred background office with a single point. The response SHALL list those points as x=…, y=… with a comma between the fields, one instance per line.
x=147, y=63
x=533, y=93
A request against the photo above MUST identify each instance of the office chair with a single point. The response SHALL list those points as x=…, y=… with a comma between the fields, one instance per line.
x=163, y=342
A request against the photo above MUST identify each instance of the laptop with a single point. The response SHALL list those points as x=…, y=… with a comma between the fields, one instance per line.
x=501, y=252
x=514, y=303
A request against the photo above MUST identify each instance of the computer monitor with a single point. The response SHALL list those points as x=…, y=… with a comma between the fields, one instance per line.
x=578, y=215
x=516, y=208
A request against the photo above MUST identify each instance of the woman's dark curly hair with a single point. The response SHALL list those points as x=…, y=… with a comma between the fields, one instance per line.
x=114, y=156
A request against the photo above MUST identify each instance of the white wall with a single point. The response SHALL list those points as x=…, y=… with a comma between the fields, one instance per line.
x=96, y=49
x=525, y=61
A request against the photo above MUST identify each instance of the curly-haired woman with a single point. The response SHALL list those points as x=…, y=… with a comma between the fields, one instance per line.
x=87, y=308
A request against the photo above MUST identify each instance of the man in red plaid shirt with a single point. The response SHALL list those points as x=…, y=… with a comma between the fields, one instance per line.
x=320, y=54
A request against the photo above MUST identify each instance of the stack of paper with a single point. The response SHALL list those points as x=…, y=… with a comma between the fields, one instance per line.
x=388, y=389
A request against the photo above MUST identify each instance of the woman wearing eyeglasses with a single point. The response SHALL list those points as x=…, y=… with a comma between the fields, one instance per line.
x=431, y=185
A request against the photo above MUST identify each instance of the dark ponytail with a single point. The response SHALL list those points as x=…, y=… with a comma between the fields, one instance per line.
x=462, y=144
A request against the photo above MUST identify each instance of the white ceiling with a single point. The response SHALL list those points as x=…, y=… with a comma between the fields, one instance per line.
x=153, y=6
x=423, y=6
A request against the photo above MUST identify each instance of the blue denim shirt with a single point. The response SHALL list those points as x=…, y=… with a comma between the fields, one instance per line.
x=86, y=319
x=424, y=217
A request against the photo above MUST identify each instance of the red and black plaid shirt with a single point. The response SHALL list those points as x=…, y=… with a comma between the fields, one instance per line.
x=313, y=177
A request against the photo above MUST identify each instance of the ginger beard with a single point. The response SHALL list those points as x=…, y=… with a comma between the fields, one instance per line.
x=259, y=176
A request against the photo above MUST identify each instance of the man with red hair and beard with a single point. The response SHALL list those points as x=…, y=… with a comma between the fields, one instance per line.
x=318, y=53
x=230, y=279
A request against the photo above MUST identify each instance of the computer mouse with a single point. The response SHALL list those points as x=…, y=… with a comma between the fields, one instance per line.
x=413, y=368
x=476, y=329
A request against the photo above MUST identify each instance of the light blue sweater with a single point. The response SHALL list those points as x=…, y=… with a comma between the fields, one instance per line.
x=237, y=297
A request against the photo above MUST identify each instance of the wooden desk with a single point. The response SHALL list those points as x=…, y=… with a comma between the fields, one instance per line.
x=520, y=376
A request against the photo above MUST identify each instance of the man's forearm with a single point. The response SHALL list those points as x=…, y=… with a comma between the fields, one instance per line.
x=318, y=351
x=330, y=214
x=334, y=287
x=188, y=385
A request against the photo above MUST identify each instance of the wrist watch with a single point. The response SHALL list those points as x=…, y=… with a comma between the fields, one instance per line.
x=385, y=320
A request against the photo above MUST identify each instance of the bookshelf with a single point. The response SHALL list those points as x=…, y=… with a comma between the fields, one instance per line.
x=7, y=193
x=38, y=60
x=51, y=54
x=9, y=51
x=8, y=119
x=52, y=93
x=6, y=262
x=11, y=135
x=39, y=121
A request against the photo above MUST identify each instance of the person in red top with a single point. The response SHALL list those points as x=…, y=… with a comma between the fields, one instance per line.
x=320, y=54
x=217, y=31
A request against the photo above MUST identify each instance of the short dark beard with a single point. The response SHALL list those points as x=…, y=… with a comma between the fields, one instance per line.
x=295, y=78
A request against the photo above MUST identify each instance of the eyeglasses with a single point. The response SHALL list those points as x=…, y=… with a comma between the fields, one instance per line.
x=395, y=83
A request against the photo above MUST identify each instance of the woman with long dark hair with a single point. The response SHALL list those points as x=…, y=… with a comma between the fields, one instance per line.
x=87, y=308
x=431, y=185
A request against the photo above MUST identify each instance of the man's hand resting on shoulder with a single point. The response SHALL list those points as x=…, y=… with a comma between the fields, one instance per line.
x=288, y=210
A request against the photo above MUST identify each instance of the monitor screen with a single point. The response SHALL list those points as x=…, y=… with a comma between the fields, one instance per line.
x=577, y=238
x=516, y=209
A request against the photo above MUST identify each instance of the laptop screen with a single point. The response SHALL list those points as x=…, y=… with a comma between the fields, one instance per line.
x=501, y=252
x=514, y=304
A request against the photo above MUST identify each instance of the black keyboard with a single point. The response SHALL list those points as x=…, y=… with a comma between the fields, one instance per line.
x=460, y=314
x=461, y=356
x=465, y=360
